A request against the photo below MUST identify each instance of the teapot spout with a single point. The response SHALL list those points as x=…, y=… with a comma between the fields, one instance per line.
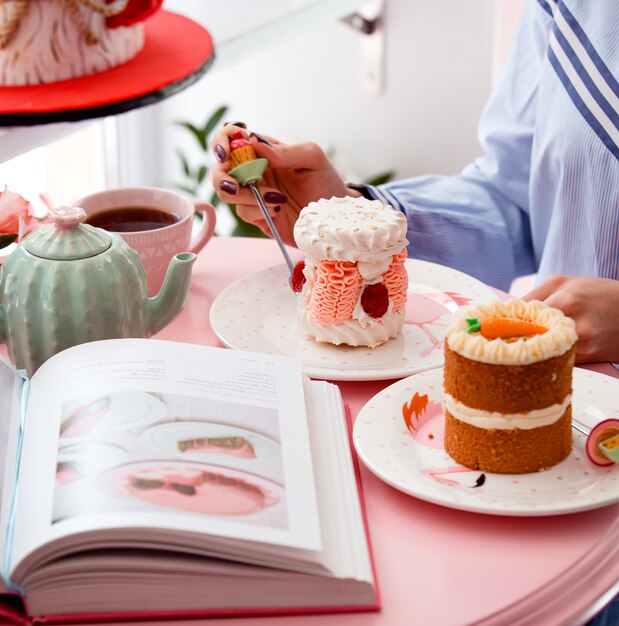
x=168, y=303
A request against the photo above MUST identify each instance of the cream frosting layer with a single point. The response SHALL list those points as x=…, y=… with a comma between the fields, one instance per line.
x=352, y=332
x=358, y=230
x=506, y=421
x=48, y=45
x=559, y=338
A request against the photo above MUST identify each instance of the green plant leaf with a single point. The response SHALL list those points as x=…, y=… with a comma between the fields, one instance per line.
x=196, y=177
x=215, y=200
x=184, y=163
x=201, y=173
x=243, y=228
x=7, y=239
x=196, y=132
x=380, y=179
x=192, y=191
x=214, y=120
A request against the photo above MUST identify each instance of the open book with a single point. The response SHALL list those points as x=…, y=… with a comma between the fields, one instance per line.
x=150, y=478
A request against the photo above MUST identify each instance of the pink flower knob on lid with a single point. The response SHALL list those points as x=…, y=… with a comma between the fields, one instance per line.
x=66, y=218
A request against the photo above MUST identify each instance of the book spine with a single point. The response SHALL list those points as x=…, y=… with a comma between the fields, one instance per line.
x=10, y=526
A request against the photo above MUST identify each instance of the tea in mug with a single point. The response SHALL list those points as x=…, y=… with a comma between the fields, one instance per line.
x=130, y=219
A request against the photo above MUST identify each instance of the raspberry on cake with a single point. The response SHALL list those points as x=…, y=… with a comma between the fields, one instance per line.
x=355, y=284
x=508, y=386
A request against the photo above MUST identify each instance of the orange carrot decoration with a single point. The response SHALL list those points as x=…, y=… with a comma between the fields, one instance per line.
x=415, y=407
x=504, y=327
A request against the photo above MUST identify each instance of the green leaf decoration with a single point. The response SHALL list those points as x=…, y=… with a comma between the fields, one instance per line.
x=474, y=324
x=7, y=239
x=201, y=173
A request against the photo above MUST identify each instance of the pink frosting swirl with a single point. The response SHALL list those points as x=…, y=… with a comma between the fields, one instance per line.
x=396, y=280
x=335, y=292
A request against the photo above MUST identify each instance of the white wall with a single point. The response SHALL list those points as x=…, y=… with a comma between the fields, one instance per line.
x=439, y=72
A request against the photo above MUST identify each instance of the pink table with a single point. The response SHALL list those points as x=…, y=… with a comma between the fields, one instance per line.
x=438, y=566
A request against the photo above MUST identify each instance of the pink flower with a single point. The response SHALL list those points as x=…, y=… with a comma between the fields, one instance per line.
x=17, y=217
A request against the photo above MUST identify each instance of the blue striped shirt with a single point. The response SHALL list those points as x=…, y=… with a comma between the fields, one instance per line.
x=544, y=197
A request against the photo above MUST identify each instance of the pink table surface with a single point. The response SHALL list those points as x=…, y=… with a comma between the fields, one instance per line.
x=437, y=566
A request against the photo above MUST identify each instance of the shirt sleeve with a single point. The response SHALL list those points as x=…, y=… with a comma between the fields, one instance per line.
x=478, y=221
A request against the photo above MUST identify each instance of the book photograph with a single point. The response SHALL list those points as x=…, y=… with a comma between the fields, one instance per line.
x=138, y=451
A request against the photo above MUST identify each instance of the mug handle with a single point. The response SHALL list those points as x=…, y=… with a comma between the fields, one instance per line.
x=208, y=225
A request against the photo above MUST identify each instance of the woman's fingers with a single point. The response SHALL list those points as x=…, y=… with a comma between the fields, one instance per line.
x=230, y=191
x=592, y=304
x=220, y=143
x=301, y=156
x=253, y=215
x=547, y=288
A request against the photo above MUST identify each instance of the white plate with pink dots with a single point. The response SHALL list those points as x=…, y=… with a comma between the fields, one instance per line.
x=414, y=460
x=258, y=313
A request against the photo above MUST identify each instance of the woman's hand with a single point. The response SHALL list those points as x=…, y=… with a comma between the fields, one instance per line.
x=297, y=175
x=593, y=303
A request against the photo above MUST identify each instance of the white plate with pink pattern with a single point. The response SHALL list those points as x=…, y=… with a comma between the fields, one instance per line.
x=258, y=313
x=201, y=440
x=415, y=462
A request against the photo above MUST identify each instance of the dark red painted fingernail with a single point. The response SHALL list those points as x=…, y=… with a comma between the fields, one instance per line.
x=277, y=209
x=274, y=197
x=220, y=153
x=239, y=124
x=261, y=139
x=228, y=187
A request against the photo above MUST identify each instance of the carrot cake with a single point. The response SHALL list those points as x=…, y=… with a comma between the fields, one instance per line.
x=508, y=386
x=353, y=283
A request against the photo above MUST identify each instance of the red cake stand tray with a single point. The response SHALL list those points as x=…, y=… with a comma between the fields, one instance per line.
x=177, y=52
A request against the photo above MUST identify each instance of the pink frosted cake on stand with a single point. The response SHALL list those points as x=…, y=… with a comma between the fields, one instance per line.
x=353, y=286
x=44, y=41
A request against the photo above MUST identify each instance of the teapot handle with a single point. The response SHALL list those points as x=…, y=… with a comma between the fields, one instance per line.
x=208, y=225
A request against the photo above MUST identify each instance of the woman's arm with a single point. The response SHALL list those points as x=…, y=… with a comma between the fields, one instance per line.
x=478, y=220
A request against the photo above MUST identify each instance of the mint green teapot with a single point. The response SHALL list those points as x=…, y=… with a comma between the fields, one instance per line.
x=69, y=283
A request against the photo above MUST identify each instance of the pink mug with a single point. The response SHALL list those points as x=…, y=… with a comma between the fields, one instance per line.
x=155, y=243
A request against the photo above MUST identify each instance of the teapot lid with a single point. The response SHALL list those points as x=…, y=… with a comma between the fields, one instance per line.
x=67, y=239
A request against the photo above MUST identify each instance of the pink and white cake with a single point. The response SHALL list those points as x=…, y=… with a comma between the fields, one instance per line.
x=44, y=41
x=180, y=487
x=353, y=283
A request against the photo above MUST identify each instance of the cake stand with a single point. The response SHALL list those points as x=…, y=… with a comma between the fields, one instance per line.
x=176, y=53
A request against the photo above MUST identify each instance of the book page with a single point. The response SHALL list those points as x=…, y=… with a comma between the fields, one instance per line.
x=148, y=434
